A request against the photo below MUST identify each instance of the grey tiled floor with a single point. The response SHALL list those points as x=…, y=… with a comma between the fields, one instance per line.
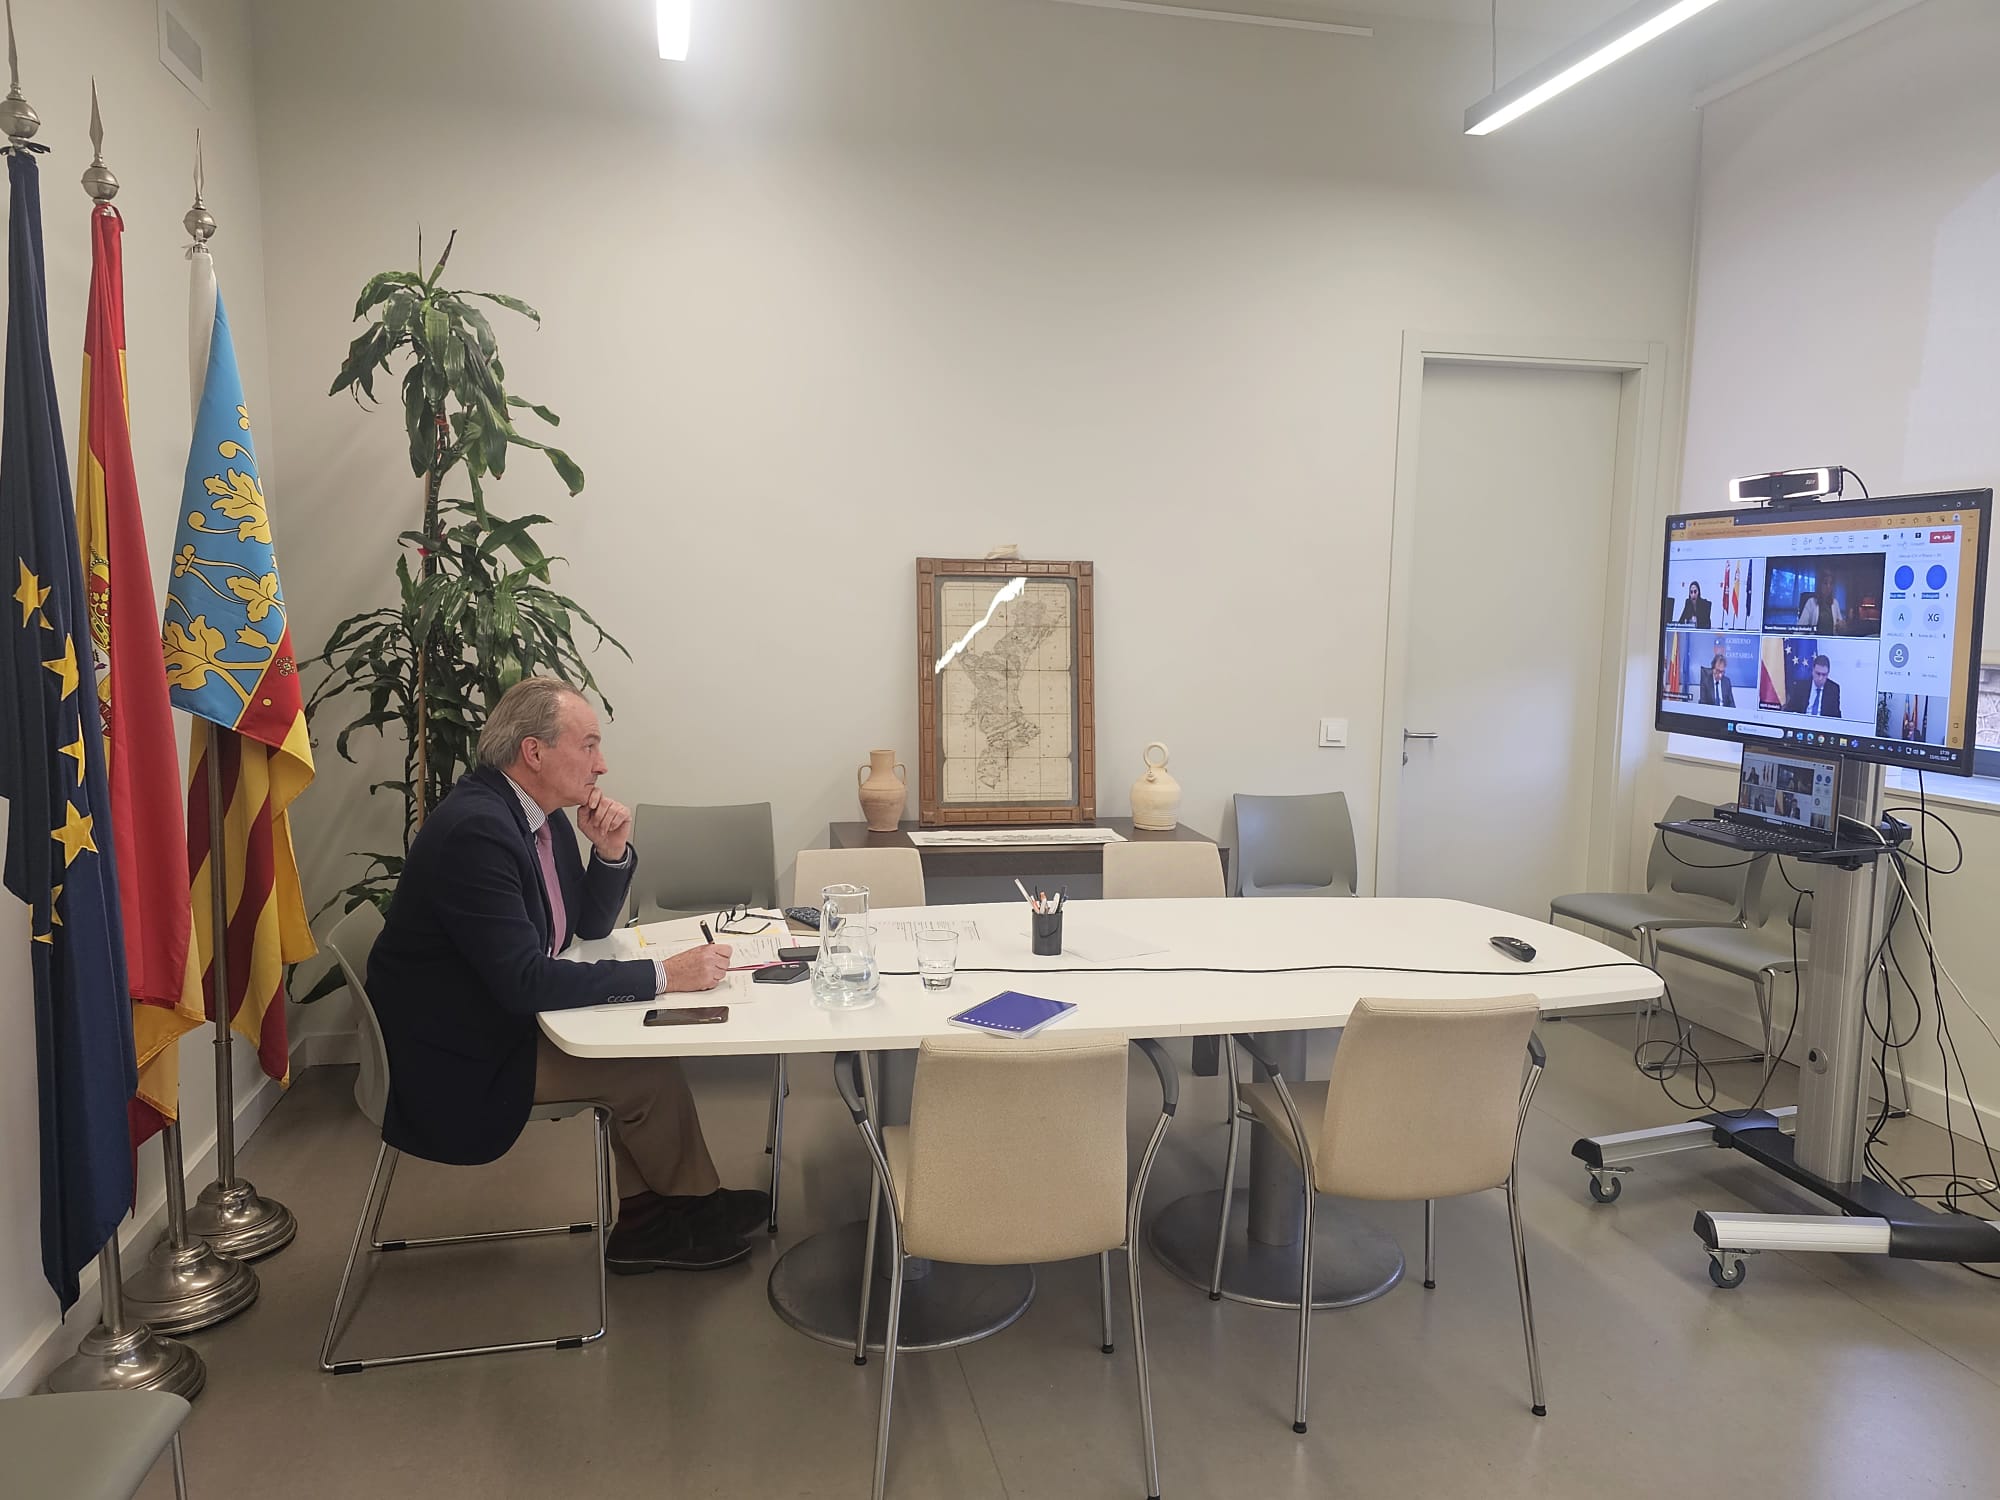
x=1820, y=1378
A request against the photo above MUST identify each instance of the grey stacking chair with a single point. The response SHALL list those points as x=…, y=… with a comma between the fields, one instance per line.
x=1691, y=884
x=1135, y=871
x=352, y=940
x=894, y=877
x=694, y=860
x=1427, y=1101
x=1778, y=926
x=90, y=1445
x=1295, y=846
x=1015, y=1154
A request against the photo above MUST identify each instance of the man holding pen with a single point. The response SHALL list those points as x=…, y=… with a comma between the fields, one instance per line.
x=492, y=890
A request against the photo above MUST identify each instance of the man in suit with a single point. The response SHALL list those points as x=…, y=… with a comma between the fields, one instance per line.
x=492, y=890
x=1716, y=689
x=1818, y=695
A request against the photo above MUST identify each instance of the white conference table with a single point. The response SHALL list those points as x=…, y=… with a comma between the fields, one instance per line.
x=1279, y=968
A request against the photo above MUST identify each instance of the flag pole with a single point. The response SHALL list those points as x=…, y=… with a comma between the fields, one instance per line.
x=118, y=1353
x=182, y=1285
x=230, y=1214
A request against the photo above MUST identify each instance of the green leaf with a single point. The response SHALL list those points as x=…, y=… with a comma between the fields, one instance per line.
x=377, y=289
x=541, y=411
x=512, y=304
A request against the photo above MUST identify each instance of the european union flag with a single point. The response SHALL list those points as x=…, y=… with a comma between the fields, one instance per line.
x=59, y=857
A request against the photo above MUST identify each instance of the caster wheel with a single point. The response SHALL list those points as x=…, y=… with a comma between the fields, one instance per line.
x=1730, y=1279
x=1606, y=1189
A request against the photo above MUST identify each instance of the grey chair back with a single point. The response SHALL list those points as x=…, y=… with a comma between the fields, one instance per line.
x=1295, y=846
x=699, y=859
x=352, y=940
x=1774, y=896
x=1697, y=869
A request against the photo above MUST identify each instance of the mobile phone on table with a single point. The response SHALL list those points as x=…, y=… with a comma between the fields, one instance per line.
x=688, y=1015
x=797, y=955
x=781, y=974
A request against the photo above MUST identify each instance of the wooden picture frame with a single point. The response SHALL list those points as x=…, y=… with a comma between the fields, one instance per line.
x=1003, y=772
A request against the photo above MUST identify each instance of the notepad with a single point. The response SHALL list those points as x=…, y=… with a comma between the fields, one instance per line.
x=1011, y=1013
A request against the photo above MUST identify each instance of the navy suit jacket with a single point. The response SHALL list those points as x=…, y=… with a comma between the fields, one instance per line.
x=462, y=967
x=1829, y=698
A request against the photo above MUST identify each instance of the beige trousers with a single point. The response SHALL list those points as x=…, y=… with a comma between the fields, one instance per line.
x=655, y=1132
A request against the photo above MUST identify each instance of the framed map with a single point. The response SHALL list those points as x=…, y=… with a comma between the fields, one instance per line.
x=1005, y=700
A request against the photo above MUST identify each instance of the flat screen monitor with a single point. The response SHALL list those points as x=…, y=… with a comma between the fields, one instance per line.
x=1848, y=628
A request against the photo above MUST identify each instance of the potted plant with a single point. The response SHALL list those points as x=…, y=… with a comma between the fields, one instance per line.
x=476, y=610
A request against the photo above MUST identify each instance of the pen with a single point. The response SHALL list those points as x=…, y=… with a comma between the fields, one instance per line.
x=740, y=968
x=707, y=936
x=1023, y=890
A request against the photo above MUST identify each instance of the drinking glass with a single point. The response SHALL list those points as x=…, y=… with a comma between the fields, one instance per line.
x=937, y=956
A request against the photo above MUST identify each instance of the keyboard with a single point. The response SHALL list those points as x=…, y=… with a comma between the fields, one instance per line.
x=1746, y=837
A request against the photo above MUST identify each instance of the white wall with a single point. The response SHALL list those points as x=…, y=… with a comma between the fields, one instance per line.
x=1846, y=311
x=898, y=277
x=149, y=123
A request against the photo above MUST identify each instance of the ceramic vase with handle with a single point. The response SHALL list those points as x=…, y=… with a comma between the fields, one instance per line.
x=1156, y=796
x=883, y=791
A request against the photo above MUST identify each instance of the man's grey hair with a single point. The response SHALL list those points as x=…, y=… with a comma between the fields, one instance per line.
x=530, y=709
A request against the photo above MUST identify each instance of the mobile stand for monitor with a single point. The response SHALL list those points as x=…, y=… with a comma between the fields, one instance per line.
x=1822, y=1152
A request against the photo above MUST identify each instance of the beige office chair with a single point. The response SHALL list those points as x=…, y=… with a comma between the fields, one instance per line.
x=1135, y=871
x=352, y=941
x=1776, y=938
x=1015, y=1154
x=1426, y=1101
x=90, y=1445
x=894, y=877
x=1690, y=884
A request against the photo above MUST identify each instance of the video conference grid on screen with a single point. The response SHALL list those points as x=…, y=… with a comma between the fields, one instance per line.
x=1793, y=789
x=1850, y=626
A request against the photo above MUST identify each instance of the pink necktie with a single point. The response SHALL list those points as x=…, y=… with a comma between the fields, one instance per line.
x=545, y=850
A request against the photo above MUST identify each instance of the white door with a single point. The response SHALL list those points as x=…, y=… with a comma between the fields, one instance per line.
x=1515, y=483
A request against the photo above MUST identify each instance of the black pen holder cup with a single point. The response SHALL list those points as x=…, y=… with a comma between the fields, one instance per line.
x=1045, y=929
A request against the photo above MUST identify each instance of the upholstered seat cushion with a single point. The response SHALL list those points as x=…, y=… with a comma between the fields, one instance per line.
x=85, y=1445
x=1628, y=912
x=1747, y=952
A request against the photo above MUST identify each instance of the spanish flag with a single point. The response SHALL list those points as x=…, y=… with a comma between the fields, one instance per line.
x=230, y=664
x=132, y=703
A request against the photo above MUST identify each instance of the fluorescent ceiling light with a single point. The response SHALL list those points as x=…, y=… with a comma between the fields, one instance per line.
x=1617, y=38
x=1241, y=17
x=676, y=26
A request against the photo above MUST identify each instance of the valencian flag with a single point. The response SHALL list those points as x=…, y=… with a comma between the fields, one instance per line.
x=230, y=664
x=140, y=762
x=59, y=827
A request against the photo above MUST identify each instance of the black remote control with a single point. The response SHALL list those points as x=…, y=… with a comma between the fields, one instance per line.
x=1514, y=947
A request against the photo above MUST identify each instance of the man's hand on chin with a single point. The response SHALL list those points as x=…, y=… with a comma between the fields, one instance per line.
x=607, y=824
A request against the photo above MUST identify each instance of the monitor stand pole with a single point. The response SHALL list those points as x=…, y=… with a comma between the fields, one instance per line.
x=1823, y=1155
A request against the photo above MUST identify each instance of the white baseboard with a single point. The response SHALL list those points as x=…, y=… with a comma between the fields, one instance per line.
x=323, y=1049
x=22, y=1370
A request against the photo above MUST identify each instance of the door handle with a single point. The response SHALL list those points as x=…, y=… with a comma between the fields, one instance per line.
x=1420, y=734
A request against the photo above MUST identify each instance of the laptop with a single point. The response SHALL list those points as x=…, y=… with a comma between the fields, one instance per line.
x=1787, y=802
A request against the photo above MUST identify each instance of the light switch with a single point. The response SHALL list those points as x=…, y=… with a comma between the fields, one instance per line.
x=1333, y=734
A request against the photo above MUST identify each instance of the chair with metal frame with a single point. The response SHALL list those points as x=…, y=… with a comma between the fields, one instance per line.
x=91, y=1445
x=1776, y=939
x=1016, y=1153
x=1427, y=1101
x=1689, y=885
x=696, y=859
x=351, y=942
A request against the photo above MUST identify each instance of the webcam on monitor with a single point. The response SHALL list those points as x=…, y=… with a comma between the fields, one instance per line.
x=1787, y=487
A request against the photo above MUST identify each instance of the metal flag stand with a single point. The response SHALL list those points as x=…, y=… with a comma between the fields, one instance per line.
x=231, y=1215
x=118, y=1354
